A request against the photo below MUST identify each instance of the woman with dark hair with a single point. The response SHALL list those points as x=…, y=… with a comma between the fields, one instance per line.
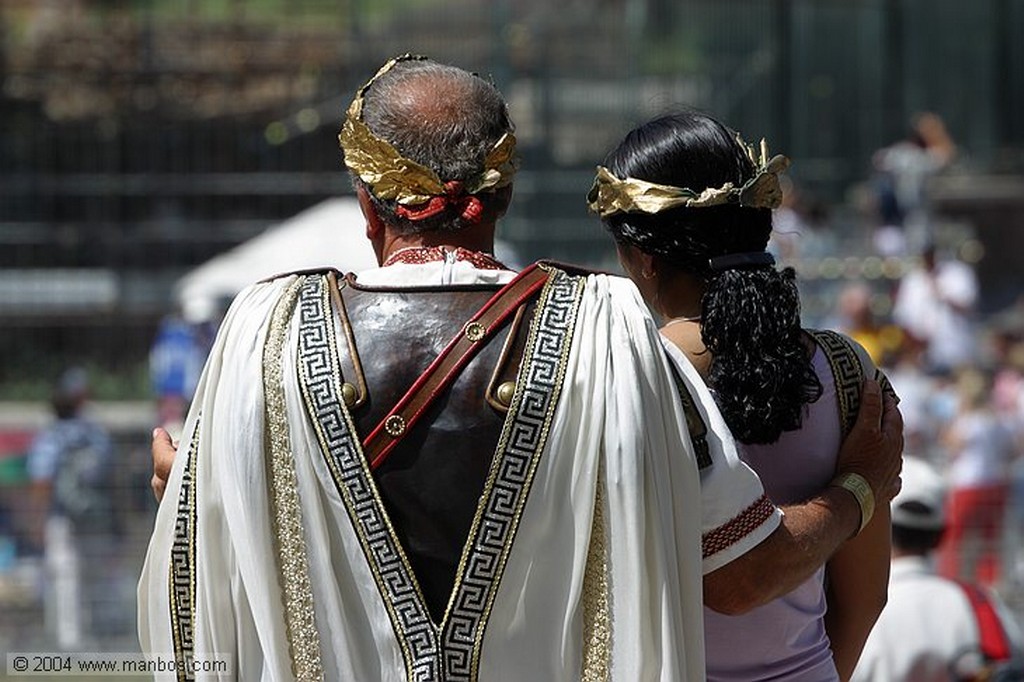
x=689, y=205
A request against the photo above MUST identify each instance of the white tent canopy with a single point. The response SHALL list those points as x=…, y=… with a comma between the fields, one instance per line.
x=329, y=234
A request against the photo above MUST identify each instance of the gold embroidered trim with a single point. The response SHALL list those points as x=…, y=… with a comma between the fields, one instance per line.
x=550, y=338
x=293, y=564
x=597, y=621
x=400, y=592
x=182, y=569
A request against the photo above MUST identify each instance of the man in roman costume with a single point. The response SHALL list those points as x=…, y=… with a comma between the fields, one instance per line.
x=441, y=469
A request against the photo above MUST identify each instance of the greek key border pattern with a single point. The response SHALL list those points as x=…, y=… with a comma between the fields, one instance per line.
x=522, y=441
x=319, y=372
x=847, y=372
x=182, y=569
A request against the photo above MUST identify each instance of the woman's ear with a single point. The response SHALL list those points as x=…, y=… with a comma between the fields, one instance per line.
x=640, y=267
x=637, y=264
x=648, y=264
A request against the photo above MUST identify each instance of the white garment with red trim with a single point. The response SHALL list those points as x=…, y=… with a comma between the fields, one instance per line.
x=435, y=266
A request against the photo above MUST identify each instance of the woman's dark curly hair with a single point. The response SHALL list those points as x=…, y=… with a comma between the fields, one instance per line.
x=760, y=373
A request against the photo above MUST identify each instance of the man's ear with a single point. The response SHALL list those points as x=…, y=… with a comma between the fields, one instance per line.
x=374, y=225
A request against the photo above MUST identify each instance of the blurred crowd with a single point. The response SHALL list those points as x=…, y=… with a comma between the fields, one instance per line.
x=958, y=370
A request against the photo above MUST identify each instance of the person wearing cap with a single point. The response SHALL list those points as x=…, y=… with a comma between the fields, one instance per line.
x=440, y=469
x=930, y=630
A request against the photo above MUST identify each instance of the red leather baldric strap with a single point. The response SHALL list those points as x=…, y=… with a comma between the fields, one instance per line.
x=994, y=643
x=446, y=366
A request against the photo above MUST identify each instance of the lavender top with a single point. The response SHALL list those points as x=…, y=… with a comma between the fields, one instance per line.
x=784, y=639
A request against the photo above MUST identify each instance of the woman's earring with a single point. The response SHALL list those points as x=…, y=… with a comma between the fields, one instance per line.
x=647, y=274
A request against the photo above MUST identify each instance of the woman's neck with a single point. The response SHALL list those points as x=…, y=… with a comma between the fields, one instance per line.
x=678, y=297
x=679, y=304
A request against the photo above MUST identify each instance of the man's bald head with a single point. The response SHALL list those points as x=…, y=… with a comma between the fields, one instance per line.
x=444, y=118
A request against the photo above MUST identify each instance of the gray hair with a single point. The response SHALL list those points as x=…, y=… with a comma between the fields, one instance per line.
x=444, y=118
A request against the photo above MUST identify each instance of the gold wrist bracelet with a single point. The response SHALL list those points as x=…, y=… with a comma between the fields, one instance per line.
x=858, y=486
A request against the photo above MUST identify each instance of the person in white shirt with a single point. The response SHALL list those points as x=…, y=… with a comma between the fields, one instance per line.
x=928, y=631
x=568, y=543
x=935, y=304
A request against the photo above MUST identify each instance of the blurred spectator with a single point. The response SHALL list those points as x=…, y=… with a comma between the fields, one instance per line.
x=176, y=361
x=799, y=226
x=1007, y=330
x=70, y=464
x=935, y=304
x=902, y=173
x=1008, y=403
x=854, y=317
x=981, y=451
x=923, y=398
x=930, y=630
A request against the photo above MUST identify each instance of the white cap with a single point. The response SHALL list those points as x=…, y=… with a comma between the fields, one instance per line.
x=925, y=488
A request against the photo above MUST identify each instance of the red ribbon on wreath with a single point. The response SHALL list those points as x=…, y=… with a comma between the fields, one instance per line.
x=470, y=208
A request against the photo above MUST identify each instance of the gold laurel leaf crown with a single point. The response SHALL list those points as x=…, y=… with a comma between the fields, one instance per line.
x=611, y=195
x=392, y=176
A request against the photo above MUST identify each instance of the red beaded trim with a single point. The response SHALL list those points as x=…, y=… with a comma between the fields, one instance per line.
x=737, y=528
x=432, y=254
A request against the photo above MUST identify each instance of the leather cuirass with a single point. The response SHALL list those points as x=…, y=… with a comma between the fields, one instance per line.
x=431, y=481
